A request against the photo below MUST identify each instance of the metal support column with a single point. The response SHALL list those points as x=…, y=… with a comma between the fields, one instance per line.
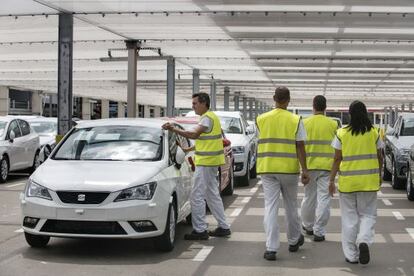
x=245, y=107
x=403, y=107
x=410, y=107
x=196, y=81
x=213, y=87
x=237, y=101
x=132, y=46
x=250, y=109
x=170, y=87
x=65, y=68
x=226, y=98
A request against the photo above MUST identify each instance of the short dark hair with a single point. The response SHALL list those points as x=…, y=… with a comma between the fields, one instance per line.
x=319, y=103
x=203, y=98
x=282, y=94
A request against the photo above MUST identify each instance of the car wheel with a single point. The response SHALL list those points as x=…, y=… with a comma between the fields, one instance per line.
x=36, y=162
x=228, y=191
x=4, y=169
x=245, y=179
x=410, y=188
x=36, y=240
x=253, y=173
x=165, y=242
x=396, y=182
x=387, y=176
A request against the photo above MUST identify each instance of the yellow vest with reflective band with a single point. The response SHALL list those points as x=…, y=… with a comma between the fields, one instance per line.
x=209, y=146
x=320, y=131
x=359, y=169
x=277, y=142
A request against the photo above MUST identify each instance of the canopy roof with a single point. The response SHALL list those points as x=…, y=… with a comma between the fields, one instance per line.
x=346, y=50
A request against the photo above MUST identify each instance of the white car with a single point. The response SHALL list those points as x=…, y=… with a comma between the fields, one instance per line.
x=46, y=127
x=19, y=146
x=243, y=143
x=111, y=178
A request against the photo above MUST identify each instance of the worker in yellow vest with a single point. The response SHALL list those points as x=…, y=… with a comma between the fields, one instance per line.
x=209, y=155
x=320, y=131
x=358, y=157
x=280, y=150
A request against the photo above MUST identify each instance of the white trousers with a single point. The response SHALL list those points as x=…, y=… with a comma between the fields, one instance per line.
x=358, y=215
x=206, y=188
x=273, y=185
x=315, y=209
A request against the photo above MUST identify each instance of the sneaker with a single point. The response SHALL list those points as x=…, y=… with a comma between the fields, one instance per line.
x=219, y=232
x=318, y=238
x=270, y=255
x=295, y=247
x=196, y=236
x=363, y=253
x=351, y=262
x=308, y=232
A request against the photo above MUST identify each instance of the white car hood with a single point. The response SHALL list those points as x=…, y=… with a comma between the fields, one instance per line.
x=238, y=139
x=94, y=175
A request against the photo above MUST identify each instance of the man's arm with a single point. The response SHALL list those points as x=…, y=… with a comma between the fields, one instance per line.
x=300, y=149
x=334, y=171
x=190, y=134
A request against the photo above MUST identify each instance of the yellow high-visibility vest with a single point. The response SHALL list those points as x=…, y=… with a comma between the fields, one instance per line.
x=320, y=131
x=277, y=142
x=359, y=169
x=209, y=146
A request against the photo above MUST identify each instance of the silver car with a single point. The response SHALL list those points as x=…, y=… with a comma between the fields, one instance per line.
x=19, y=146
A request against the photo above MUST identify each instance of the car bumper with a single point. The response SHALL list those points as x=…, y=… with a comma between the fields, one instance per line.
x=240, y=163
x=111, y=220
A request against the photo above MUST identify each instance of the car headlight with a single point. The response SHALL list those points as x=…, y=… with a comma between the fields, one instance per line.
x=35, y=190
x=143, y=192
x=238, y=150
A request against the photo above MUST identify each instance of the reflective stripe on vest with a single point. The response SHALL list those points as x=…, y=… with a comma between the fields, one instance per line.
x=209, y=146
x=359, y=169
x=320, y=131
x=277, y=142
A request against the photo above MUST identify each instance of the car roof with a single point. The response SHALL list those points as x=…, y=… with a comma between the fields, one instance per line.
x=184, y=120
x=235, y=114
x=148, y=122
x=407, y=115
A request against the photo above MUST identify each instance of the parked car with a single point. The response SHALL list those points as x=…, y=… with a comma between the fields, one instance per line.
x=110, y=178
x=19, y=146
x=398, y=141
x=410, y=174
x=225, y=173
x=46, y=127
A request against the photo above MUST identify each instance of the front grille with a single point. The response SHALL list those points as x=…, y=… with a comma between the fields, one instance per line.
x=238, y=167
x=83, y=227
x=82, y=197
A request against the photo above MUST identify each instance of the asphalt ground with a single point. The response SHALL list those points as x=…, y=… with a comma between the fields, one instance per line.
x=241, y=254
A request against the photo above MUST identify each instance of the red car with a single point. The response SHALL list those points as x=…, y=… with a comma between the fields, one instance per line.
x=225, y=172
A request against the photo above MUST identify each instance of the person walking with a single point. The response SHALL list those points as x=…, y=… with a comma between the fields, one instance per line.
x=358, y=158
x=320, y=131
x=280, y=150
x=209, y=155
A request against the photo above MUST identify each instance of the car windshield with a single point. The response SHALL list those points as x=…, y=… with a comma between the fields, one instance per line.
x=407, y=128
x=231, y=125
x=2, y=127
x=45, y=128
x=114, y=143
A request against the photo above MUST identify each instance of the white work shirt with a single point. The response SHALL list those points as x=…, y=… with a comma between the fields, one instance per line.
x=207, y=123
x=301, y=134
x=336, y=144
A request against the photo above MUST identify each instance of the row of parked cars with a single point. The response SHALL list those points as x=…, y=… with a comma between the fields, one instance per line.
x=126, y=178
x=399, y=154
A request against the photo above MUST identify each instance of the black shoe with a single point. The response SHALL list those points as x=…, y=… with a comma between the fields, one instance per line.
x=351, y=262
x=363, y=253
x=308, y=232
x=270, y=255
x=196, y=236
x=295, y=247
x=318, y=238
x=219, y=232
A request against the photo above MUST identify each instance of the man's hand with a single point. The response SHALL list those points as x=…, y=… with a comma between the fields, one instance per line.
x=305, y=178
x=331, y=187
x=167, y=126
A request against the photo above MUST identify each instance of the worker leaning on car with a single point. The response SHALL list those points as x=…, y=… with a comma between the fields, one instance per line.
x=209, y=155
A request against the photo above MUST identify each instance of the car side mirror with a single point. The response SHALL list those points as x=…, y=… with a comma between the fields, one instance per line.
x=12, y=136
x=42, y=155
x=180, y=156
x=389, y=131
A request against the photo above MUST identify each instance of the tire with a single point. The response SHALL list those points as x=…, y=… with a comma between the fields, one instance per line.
x=189, y=219
x=228, y=191
x=4, y=169
x=396, y=183
x=36, y=241
x=245, y=179
x=387, y=176
x=165, y=242
x=253, y=172
x=410, y=186
x=36, y=162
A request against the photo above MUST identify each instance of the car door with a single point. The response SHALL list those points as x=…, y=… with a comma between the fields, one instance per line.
x=390, y=144
x=30, y=142
x=16, y=149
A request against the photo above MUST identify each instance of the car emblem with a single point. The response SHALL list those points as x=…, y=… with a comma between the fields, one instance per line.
x=81, y=197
